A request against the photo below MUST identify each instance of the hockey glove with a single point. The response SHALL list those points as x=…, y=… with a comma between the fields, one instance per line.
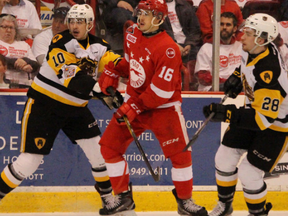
x=109, y=77
x=109, y=101
x=130, y=109
x=233, y=85
x=223, y=113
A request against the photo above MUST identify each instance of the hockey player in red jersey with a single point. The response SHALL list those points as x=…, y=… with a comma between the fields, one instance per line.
x=152, y=61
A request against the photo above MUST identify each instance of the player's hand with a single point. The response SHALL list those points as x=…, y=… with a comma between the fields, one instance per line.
x=222, y=113
x=186, y=50
x=233, y=85
x=109, y=77
x=130, y=109
x=20, y=63
x=27, y=68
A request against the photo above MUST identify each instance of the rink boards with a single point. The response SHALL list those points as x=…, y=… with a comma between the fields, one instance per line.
x=63, y=181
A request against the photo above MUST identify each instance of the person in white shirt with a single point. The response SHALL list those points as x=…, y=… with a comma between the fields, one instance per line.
x=283, y=45
x=22, y=65
x=42, y=40
x=25, y=12
x=230, y=54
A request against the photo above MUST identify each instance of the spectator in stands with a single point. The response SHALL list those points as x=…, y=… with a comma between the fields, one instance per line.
x=205, y=17
x=241, y=3
x=116, y=13
x=282, y=41
x=42, y=40
x=3, y=68
x=21, y=63
x=183, y=26
x=284, y=8
x=230, y=54
x=24, y=11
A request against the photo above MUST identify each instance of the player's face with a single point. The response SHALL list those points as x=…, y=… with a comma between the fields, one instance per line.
x=227, y=28
x=58, y=25
x=7, y=31
x=78, y=28
x=145, y=18
x=248, y=39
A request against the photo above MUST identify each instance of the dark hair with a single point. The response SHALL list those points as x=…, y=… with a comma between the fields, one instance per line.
x=3, y=59
x=5, y=14
x=230, y=15
x=61, y=12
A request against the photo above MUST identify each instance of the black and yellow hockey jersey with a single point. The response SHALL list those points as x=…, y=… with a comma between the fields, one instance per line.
x=265, y=86
x=70, y=70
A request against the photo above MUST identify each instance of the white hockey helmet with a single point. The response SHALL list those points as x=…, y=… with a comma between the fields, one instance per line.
x=265, y=26
x=83, y=11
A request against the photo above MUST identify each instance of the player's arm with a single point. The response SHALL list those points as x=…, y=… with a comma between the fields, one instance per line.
x=64, y=64
x=113, y=70
x=165, y=80
x=162, y=87
x=260, y=114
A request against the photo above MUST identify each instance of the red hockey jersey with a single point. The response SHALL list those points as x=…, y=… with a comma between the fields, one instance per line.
x=153, y=65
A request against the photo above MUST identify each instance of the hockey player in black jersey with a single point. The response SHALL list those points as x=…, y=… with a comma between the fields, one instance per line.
x=260, y=127
x=58, y=98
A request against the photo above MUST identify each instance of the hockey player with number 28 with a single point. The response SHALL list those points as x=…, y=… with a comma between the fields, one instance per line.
x=152, y=101
x=259, y=128
x=58, y=98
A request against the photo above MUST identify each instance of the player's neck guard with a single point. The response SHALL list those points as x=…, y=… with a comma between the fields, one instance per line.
x=151, y=33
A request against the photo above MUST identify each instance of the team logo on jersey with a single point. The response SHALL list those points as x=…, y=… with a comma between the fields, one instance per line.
x=56, y=38
x=266, y=76
x=3, y=50
x=131, y=38
x=88, y=66
x=137, y=74
x=40, y=142
x=170, y=52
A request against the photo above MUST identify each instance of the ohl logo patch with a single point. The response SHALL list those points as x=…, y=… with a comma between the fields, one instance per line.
x=40, y=142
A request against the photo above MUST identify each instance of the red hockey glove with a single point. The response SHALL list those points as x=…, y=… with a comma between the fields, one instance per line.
x=130, y=109
x=109, y=77
x=224, y=113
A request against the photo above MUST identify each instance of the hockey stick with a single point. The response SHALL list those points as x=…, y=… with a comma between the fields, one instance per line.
x=195, y=136
x=156, y=176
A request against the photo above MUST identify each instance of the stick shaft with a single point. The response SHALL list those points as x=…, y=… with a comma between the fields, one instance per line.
x=195, y=136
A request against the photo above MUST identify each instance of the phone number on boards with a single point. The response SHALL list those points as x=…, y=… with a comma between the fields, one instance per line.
x=145, y=171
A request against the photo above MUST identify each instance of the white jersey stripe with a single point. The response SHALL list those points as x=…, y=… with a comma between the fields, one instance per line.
x=161, y=93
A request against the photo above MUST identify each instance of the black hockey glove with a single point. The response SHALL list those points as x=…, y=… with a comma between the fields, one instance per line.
x=233, y=85
x=222, y=113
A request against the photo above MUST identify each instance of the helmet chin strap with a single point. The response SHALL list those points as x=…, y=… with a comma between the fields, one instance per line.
x=152, y=24
x=88, y=29
x=253, y=48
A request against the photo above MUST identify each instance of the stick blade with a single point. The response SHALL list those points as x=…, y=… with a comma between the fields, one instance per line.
x=156, y=176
